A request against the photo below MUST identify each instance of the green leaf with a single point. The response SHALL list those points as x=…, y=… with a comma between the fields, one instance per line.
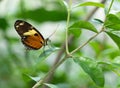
x=75, y=31
x=29, y=78
x=83, y=24
x=96, y=46
x=12, y=39
x=112, y=22
x=110, y=52
x=50, y=85
x=117, y=60
x=118, y=14
x=3, y=23
x=106, y=66
x=92, y=69
x=99, y=21
x=115, y=38
x=42, y=15
x=46, y=53
x=115, y=67
x=109, y=66
x=63, y=3
x=92, y=4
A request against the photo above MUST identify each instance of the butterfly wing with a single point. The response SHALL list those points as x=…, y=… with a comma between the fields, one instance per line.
x=29, y=35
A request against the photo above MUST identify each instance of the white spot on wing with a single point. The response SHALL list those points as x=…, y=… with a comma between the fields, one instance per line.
x=22, y=23
x=17, y=26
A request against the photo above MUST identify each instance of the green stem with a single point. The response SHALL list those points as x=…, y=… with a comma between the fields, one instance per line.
x=52, y=70
x=67, y=25
x=40, y=82
x=110, y=7
x=102, y=29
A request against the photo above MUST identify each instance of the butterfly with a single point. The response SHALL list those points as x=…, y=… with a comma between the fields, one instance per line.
x=30, y=36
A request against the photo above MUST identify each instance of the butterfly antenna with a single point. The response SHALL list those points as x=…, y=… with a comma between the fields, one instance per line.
x=54, y=31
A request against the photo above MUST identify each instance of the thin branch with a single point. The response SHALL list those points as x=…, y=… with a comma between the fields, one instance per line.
x=49, y=78
x=52, y=70
x=67, y=25
x=70, y=38
x=58, y=62
x=110, y=7
x=102, y=29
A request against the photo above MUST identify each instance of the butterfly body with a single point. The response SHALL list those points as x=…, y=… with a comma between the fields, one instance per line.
x=30, y=36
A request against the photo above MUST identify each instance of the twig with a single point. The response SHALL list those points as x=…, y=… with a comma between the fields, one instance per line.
x=71, y=37
x=67, y=25
x=58, y=62
x=52, y=70
x=48, y=79
x=102, y=29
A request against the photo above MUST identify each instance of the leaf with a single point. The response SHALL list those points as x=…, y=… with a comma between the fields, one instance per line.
x=35, y=78
x=50, y=85
x=92, y=4
x=92, y=69
x=97, y=46
x=3, y=23
x=110, y=52
x=118, y=14
x=117, y=60
x=42, y=15
x=75, y=31
x=83, y=24
x=99, y=21
x=28, y=78
x=12, y=39
x=112, y=22
x=115, y=67
x=46, y=53
x=63, y=3
x=115, y=38
x=107, y=66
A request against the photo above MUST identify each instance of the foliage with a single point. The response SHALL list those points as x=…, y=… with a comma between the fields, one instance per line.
x=85, y=58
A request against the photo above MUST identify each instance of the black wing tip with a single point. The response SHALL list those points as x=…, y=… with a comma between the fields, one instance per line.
x=17, y=22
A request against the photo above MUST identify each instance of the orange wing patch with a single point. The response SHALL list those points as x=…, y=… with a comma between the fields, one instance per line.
x=32, y=42
x=30, y=37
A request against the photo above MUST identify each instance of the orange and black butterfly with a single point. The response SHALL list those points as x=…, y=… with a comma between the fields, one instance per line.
x=30, y=36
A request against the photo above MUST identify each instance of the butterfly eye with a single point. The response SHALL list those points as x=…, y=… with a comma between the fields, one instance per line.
x=35, y=34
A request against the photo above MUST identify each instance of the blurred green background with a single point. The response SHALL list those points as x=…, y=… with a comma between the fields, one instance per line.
x=18, y=67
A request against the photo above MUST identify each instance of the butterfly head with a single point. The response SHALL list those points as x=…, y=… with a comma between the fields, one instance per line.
x=46, y=41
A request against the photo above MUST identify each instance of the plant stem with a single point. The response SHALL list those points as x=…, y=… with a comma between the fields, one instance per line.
x=52, y=70
x=70, y=38
x=40, y=82
x=67, y=25
x=110, y=7
x=102, y=29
